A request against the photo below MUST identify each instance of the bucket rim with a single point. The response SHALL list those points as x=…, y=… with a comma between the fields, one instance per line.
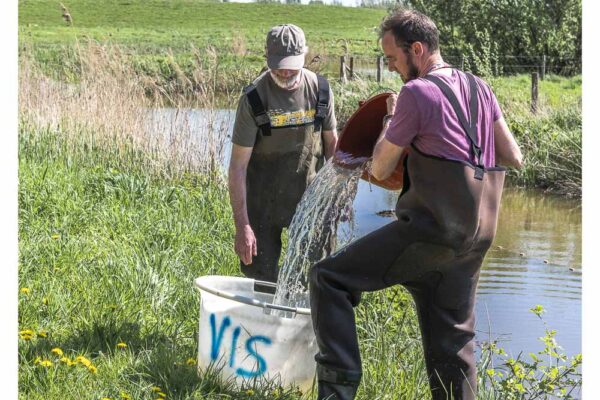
x=202, y=286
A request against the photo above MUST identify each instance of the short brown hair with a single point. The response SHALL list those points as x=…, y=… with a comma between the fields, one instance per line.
x=409, y=26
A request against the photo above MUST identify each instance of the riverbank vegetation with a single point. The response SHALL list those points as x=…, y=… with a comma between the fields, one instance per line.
x=550, y=138
x=182, y=51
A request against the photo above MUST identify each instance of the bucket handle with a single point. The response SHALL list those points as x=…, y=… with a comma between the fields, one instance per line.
x=252, y=302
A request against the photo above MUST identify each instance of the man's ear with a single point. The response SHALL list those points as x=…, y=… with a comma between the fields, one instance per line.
x=418, y=49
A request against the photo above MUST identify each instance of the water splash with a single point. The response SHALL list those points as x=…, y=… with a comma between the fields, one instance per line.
x=326, y=203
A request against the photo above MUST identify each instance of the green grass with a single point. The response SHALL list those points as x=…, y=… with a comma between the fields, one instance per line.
x=149, y=28
x=551, y=139
x=108, y=254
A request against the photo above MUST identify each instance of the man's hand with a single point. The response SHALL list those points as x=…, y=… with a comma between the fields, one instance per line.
x=245, y=244
x=391, y=103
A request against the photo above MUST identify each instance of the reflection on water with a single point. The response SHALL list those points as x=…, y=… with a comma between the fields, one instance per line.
x=535, y=259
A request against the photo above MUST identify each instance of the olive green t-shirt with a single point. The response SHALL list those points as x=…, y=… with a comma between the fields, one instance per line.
x=286, y=109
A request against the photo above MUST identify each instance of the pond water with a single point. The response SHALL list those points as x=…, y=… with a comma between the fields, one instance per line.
x=535, y=258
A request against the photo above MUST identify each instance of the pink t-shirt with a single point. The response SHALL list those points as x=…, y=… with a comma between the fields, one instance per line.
x=425, y=118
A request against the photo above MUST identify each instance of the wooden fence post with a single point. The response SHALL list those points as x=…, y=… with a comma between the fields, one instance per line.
x=343, y=69
x=351, y=71
x=379, y=69
x=534, y=92
x=543, y=69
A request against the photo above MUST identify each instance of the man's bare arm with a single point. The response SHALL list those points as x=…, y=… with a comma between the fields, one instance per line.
x=508, y=152
x=330, y=139
x=386, y=155
x=245, y=241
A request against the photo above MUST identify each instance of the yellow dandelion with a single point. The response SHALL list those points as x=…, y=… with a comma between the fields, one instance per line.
x=25, y=290
x=122, y=345
x=65, y=360
x=93, y=369
x=125, y=396
x=42, y=334
x=55, y=236
x=106, y=398
x=191, y=361
x=57, y=351
x=37, y=360
x=161, y=395
x=46, y=363
x=82, y=360
x=26, y=332
x=156, y=389
x=45, y=301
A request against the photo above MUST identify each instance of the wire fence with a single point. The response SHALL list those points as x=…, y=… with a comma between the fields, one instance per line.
x=374, y=68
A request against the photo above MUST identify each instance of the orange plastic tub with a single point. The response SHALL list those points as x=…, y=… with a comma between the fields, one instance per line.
x=357, y=140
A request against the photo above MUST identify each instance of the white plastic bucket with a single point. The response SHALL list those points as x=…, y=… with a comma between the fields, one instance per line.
x=243, y=342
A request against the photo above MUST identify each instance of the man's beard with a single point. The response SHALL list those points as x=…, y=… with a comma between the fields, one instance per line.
x=413, y=71
x=290, y=83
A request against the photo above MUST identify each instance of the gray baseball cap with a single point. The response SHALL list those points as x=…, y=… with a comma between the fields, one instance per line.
x=286, y=47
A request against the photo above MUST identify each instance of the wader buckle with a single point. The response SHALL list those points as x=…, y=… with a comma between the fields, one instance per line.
x=262, y=119
x=479, y=172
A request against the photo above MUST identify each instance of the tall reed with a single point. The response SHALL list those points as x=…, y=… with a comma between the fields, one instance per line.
x=111, y=106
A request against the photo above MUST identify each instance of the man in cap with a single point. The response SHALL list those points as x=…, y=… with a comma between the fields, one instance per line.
x=284, y=125
x=447, y=213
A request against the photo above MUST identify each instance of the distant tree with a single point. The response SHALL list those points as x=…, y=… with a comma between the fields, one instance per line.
x=489, y=30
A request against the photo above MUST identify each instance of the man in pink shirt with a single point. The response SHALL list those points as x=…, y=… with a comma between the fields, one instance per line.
x=447, y=213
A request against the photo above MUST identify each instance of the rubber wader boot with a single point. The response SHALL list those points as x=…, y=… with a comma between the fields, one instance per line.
x=446, y=222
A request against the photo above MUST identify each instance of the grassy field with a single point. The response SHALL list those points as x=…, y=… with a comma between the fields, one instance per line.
x=153, y=24
x=151, y=29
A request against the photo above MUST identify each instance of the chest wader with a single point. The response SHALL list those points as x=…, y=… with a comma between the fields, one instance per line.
x=283, y=163
x=447, y=214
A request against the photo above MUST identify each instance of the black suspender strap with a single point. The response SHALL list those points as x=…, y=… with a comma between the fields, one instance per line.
x=258, y=109
x=322, y=101
x=469, y=127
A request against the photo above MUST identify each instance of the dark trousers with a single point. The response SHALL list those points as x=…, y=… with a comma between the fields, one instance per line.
x=442, y=285
x=268, y=243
